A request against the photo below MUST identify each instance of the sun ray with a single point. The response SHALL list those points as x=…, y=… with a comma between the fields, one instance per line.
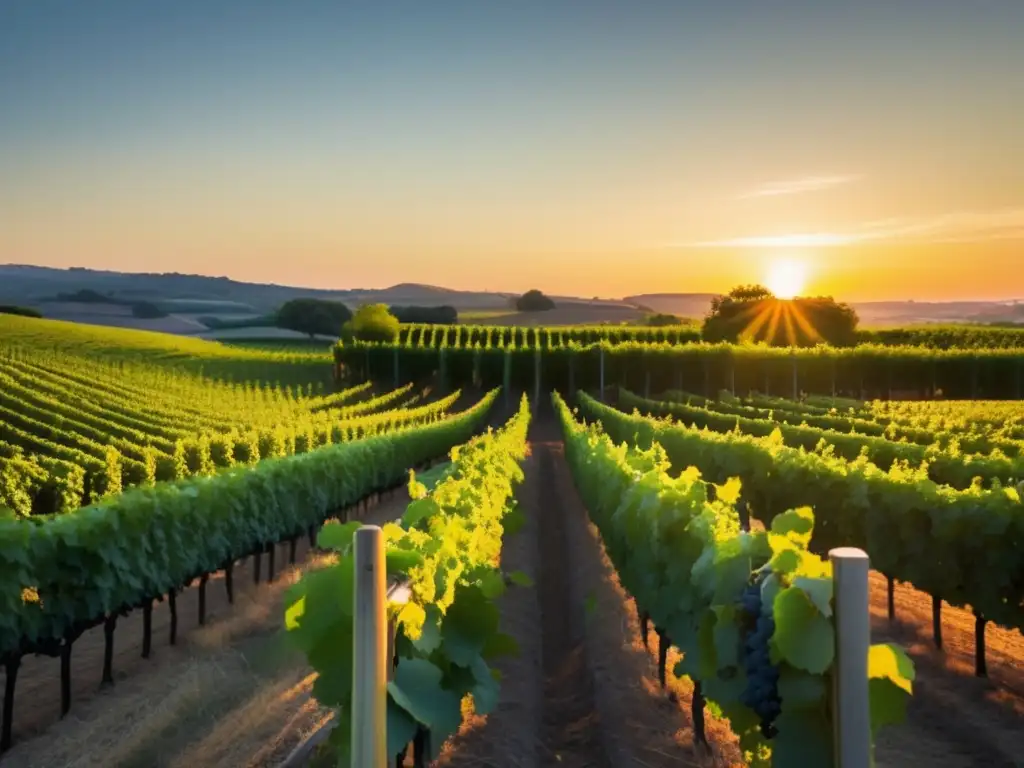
x=806, y=326
x=787, y=317
x=773, y=325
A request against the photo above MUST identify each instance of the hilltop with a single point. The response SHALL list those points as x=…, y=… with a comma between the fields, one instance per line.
x=188, y=304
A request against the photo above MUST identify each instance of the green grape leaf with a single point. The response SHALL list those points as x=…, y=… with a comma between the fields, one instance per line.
x=338, y=536
x=513, y=521
x=401, y=728
x=430, y=638
x=293, y=614
x=416, y=688
x=731, y=576
x=891, y=675
x=486, y=689
x=804, y=738
x=326, y=606
x=770, y=589
x=470, y=621
x=402, y=560
x=785, y=560
x=800, y=690
x=726, y=636
x=418, y=511
x=500, y=644
x=333, y=685
x=803, y=637
x=819, y=591
x=492, y=584
x=796, y=524
x=520, y=579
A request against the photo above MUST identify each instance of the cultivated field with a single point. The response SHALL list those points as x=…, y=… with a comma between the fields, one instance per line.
x=163, y=604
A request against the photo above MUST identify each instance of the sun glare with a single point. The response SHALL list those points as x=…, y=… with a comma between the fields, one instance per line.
x=787, y=279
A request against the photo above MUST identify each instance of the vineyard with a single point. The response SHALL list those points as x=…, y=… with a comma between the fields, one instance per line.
x=653, y=360
x=614, y=544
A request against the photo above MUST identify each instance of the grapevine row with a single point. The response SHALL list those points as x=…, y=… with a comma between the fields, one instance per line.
x=69, y=573
x=447, y=545
x=752, y=612
x=955, y=469
x=106, y=471
x=861, y=372
x=937, y=337
x=960, y=546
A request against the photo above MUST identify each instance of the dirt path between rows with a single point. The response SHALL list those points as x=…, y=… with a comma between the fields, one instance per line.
x=584, y=692
x=231, y=694
x=954, y=718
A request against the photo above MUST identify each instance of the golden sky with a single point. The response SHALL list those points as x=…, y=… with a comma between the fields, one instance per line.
x=650, y=147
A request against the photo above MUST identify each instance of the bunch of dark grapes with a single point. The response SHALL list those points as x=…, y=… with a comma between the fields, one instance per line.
x=762, y=691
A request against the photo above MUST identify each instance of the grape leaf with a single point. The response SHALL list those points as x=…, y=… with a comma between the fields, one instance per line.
x=891, y=675
x=401, y=728
x=803, y=637
x=520, y=579
x=804, y=738
x=800, y=690
x=819, y=591
x=416, y=688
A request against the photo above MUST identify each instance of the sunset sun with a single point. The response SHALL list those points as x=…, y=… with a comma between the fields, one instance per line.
x=786, y=278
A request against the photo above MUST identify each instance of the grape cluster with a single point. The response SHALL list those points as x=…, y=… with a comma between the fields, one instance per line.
x=762, y=691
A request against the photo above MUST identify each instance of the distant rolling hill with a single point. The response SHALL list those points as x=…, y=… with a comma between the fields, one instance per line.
x=187, y=298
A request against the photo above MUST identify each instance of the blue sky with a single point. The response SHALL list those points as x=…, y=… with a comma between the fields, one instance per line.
x=582, y=147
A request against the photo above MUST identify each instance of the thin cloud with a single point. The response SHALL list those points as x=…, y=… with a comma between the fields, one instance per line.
x=797, y=240
x=952, y=227
x=799, y=186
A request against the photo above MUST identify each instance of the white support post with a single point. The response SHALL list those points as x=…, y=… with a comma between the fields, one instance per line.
x=851, y=706
x=370, y=663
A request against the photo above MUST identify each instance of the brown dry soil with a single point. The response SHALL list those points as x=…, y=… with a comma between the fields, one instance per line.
x=954, y=718
x=582, y=692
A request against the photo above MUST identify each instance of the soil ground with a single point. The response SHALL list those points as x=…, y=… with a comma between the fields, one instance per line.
x=582, y=692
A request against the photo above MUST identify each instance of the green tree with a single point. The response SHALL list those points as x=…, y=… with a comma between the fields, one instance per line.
x=753, y=313
x=661, y=319
x=313, y=316
x=372, y=322
x=534, y=301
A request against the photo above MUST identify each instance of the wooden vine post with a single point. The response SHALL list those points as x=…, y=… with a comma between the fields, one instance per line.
x=507, y=377
x=536, y=377
x=850, y=706
x=370, y=652
x=796, y=375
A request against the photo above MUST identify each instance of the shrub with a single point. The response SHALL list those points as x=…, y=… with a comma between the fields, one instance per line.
x=534, y=301
x=372, y=322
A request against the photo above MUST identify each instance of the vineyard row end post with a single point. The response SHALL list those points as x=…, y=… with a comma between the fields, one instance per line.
x=850, y=706
x=373, y=648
